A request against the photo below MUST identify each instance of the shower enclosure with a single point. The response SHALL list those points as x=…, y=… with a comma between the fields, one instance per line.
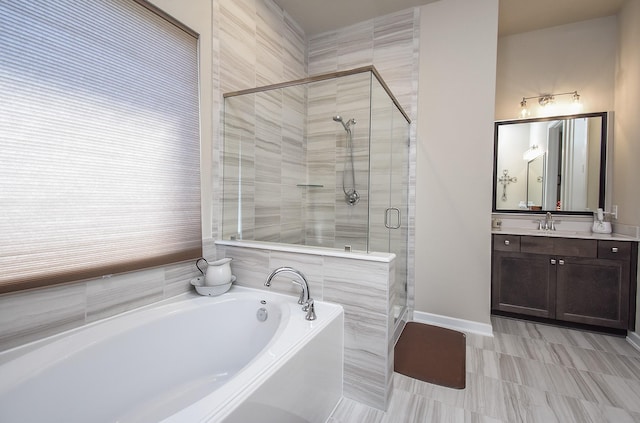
x=321, y=161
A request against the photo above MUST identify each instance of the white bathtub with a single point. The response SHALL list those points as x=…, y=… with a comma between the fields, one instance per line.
x=194, y=359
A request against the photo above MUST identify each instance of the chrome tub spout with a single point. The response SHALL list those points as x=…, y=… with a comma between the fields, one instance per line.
x=305, y=297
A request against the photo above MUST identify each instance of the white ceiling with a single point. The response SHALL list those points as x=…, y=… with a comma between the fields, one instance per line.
x=317, y=16
x=527, y=15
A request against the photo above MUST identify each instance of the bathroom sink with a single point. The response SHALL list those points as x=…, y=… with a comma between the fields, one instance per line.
x=560, y=233
x=542, y=232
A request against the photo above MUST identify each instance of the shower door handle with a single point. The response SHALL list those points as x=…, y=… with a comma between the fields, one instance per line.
x=387, y=219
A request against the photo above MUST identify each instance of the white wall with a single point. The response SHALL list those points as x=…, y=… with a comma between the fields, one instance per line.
x=454, y=158
x=626, y=152
x=579, y=56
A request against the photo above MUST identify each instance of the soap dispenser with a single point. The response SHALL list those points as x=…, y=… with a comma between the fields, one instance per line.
x=600, y=224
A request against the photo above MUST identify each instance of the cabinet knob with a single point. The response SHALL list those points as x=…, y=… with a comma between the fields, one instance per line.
x=614, y=249
x=553, y=261
x=560, y=262
x=506, y=242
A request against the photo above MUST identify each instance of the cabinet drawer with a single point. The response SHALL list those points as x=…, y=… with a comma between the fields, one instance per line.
x=506, y=243
x=575, y=247
x=536, y=245
x=614, y=250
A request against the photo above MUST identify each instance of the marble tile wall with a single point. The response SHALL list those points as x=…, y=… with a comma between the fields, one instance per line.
x=362, y=287
x=293, y=140
x=322, y=135
x=331, y=222
x=390, y=43
x=31, y=315
x=264, y=162
x=260, y=45
x=294, y=169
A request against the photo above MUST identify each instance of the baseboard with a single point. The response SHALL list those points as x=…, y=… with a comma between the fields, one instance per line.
x=453, y=323
x=634, y=339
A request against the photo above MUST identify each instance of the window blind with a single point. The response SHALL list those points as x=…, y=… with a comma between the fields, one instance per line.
x=99, y=141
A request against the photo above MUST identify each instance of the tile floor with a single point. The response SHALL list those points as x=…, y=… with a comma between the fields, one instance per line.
x=527, y=372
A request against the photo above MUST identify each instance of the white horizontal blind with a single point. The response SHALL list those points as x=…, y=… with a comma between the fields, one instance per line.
x=99, y=141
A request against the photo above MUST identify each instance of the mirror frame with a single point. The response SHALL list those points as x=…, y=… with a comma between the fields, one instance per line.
x=603, y=166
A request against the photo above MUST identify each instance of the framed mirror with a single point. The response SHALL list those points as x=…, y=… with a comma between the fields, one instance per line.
x=550, y=164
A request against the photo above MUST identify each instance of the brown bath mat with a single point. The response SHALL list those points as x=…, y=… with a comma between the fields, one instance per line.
x=432, y=354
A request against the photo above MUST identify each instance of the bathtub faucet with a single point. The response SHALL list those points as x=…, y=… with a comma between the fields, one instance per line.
x=305, y=297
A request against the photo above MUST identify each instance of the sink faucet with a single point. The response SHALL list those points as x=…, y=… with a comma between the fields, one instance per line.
x=549, y=223
x=305, y=297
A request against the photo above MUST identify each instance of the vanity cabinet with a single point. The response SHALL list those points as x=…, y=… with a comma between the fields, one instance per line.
x=583, y=281
x=521, y=283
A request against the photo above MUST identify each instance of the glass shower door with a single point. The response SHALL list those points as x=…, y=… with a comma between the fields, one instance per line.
x=398, y=199
x=389, y=182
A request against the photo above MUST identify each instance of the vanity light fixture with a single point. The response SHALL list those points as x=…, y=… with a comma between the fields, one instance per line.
x=546, y=99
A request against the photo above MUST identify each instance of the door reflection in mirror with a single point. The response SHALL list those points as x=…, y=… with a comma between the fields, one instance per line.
x=535, y=182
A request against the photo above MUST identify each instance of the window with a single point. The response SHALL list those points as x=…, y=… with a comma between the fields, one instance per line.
x=99, y=141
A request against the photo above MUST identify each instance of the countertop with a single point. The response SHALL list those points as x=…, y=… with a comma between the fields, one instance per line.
x=563, y=234
x=566, y=227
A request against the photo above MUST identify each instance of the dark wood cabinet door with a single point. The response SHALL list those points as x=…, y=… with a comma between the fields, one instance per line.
x=523, y=283
x=594, y=292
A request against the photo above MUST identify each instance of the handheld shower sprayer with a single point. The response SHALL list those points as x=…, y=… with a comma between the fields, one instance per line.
x=347, y=124
x=351, y=195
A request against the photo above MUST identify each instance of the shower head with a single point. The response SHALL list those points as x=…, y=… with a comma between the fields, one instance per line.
x=338, y=118
x=346, y=125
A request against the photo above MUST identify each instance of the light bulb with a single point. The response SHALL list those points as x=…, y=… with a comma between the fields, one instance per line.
x=576, y=104
x=524, y=112
x=546, y=100
x=576, y=97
